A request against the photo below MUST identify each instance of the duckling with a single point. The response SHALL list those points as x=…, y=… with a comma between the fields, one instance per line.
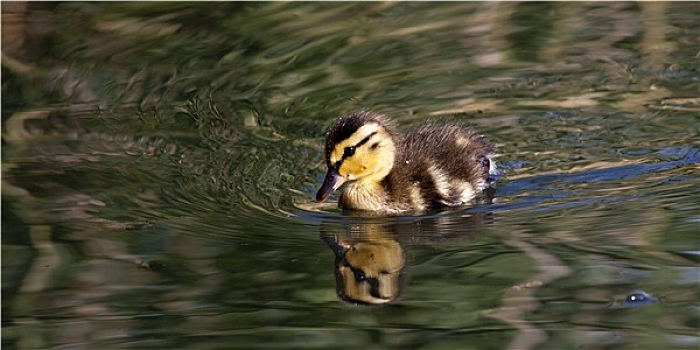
x=383, y=170
x=369, y=267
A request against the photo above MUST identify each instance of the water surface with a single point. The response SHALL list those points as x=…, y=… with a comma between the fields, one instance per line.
x=160, y=162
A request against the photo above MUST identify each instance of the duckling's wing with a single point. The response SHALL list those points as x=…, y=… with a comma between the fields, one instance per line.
x=452, y=161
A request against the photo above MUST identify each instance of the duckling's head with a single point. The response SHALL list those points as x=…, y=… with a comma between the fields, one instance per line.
x=368, y=268
x=359, y=147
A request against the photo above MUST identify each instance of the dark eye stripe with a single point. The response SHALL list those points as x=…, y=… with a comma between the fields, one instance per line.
x=350, y=150
x=365, y=140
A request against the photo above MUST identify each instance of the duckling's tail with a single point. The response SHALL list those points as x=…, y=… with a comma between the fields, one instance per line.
x=494, y=173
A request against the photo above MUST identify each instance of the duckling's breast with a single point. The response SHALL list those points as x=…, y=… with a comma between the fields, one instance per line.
x=391, y=195
x=359, y=195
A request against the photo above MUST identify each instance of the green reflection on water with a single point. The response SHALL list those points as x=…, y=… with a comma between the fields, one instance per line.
x=159, y=162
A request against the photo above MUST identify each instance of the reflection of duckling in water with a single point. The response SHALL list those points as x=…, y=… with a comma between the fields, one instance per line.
x=368, y=270
x=428, y=167
x=370, y=259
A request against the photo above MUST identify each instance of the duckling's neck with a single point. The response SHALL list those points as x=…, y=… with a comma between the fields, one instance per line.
x=363, y=196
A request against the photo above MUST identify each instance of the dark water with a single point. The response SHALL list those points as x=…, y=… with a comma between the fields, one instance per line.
x=159, y=163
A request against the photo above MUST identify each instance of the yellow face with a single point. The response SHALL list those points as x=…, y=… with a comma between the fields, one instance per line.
x=371, y=271
x=368, y=267
x=367, y=152
x=367, y=155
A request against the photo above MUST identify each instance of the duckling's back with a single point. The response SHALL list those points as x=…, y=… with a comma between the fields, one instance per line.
x=440, y=165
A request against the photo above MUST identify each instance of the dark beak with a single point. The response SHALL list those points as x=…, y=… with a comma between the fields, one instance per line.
x=331, y=183
x=338, y=247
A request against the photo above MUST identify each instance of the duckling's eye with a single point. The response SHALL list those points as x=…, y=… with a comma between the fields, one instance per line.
x=359, y=274
x=349, y=151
